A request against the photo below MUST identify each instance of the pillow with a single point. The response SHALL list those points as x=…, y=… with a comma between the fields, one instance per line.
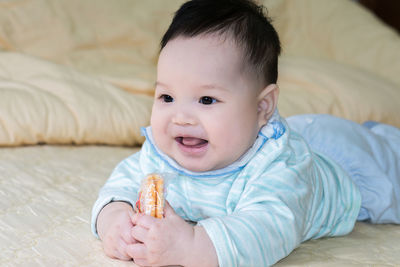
x=118, y=41
x=318, y=86
x=42, y=102
x=340, y=30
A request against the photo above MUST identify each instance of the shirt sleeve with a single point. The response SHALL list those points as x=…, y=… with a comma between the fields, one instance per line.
x=122, y=185
x=265, y=226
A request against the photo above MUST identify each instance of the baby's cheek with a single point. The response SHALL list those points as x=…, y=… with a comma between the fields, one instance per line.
x=228, y=147
x=161, y=139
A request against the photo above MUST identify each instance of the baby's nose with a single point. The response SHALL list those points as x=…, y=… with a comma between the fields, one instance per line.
x=183, y=118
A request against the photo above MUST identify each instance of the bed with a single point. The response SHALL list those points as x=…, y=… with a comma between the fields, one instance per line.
x=76, y=84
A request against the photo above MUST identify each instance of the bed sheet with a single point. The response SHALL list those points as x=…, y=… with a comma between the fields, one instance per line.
x=47, y=194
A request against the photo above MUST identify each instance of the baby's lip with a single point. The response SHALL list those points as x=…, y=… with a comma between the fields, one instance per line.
x=191, y=142
x=192, y=146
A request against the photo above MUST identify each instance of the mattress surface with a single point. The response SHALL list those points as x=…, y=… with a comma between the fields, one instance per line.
x=47, y=193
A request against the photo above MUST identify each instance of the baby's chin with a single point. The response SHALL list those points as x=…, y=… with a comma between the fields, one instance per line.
x=194, y=167
x=198, y=166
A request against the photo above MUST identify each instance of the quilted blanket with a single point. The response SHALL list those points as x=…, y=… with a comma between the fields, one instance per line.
x=76, y=85
x=47, y=193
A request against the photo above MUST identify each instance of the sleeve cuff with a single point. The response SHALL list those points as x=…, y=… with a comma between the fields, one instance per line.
x=104, y=200
x=218, y=234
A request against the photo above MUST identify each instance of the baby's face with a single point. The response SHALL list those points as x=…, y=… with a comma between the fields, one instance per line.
x=205, y=111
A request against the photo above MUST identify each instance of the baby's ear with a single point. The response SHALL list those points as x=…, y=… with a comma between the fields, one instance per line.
x=267, y=102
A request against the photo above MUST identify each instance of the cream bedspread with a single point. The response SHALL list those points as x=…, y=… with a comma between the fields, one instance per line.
x=76, y=79
x=47, y=193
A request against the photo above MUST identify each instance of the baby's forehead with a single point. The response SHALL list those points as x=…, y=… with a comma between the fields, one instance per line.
x=222, y=45
x=228, y=39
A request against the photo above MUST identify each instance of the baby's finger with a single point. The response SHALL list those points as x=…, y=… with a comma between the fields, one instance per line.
x=139, y=233
x=146, y=221
x=168, y=210
x=117, y=252
x=136, y=217
x=122, y=254
x=126, y=235
x=141, y=262
x=132, y=214
x=137, y=252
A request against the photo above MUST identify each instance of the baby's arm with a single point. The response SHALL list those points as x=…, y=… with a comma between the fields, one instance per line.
x=253, y=238
x=267, y=222
x=114, y=226
x=245, y=238
x=170, y=241
x=112, y=213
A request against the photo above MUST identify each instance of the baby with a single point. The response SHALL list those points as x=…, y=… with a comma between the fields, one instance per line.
x=248, y=187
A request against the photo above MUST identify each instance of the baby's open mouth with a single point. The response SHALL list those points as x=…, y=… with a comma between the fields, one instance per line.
x=192, y=142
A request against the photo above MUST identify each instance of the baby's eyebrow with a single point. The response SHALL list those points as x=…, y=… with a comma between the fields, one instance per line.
x=212, y=87
x=157, y=83
x=203, y=86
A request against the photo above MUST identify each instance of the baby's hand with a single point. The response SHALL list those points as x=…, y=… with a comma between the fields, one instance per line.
x=114, y=226
x=165, y=241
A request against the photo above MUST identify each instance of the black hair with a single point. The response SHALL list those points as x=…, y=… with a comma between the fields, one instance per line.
x=243, y=20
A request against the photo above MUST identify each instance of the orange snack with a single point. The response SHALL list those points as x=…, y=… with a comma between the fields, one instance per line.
x=151, y=196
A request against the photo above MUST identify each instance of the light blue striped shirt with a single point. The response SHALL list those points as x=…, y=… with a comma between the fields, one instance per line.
x=256, y=210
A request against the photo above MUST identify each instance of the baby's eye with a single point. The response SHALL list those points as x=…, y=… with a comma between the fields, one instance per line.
x=207, y=100
x=167, y=98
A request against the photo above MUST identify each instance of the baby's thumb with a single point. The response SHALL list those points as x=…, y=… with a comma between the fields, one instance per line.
x=133, y=213
x=168, y=210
